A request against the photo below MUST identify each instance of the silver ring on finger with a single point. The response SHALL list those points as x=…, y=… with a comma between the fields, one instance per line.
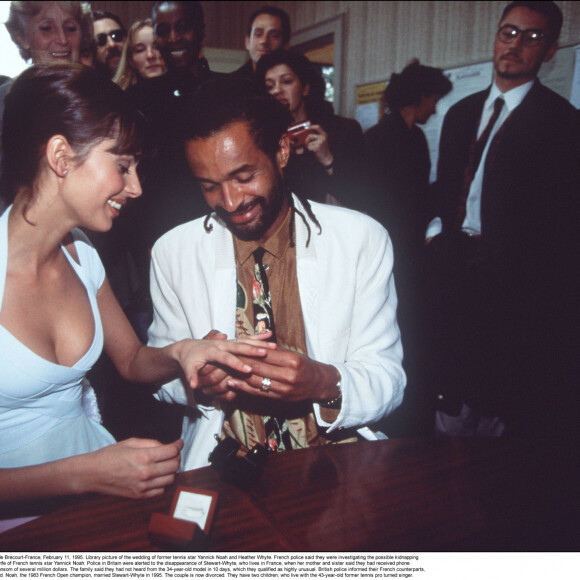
x=266, y=382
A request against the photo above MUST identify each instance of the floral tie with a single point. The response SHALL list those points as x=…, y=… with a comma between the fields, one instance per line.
x=263, y=313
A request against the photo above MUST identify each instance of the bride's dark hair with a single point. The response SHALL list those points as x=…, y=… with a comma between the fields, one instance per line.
x=69, y=100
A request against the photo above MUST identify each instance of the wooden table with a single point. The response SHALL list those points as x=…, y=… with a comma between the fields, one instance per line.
x=415, y=495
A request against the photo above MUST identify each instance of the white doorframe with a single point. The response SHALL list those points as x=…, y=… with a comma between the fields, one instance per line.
x=334, y=26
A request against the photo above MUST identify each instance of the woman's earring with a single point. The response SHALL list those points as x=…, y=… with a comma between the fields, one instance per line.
x=64, y=172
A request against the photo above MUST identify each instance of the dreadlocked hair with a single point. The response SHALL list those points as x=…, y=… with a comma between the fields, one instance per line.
x=311, y=215
x=206, y=225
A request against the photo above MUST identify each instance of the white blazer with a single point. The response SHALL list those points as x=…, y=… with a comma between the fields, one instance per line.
x=348, y=302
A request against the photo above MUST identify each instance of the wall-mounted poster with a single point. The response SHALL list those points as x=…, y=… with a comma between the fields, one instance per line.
x=368, y=104
x=575, y=96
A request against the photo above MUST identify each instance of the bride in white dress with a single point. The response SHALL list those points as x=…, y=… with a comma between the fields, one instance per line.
x=71, y=148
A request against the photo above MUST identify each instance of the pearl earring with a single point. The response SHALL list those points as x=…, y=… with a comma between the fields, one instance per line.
x=64, y=172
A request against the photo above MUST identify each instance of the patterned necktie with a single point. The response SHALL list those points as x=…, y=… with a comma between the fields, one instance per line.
x=475, y=153
x=263, y=313
x=277, y=433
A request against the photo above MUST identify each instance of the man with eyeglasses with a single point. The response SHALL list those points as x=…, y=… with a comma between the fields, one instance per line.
x=502, y=320
x=110, y=35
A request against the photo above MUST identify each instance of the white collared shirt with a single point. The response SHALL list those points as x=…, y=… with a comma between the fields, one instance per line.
x=513, y=98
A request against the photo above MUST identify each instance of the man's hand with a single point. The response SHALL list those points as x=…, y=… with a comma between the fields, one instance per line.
x=213, y=379
x=293, y=377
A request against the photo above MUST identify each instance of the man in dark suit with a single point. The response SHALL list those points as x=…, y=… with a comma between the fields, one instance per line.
x=503, y=315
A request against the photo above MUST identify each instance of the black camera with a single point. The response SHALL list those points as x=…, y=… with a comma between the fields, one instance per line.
x=242, y=471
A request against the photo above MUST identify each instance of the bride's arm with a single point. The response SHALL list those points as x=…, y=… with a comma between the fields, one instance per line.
x=135, y=468
x=139, y=363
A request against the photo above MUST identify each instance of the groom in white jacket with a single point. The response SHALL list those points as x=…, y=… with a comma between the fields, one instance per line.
x=328, y=286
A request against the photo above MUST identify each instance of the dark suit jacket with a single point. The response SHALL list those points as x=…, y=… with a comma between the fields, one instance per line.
x=531, y=179
x=529, y=217
x=246, y=71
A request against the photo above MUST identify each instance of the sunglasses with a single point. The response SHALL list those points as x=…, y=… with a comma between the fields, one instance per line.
x=116, y=36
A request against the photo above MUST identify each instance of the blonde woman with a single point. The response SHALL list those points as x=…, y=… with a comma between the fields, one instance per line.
x=141, y=59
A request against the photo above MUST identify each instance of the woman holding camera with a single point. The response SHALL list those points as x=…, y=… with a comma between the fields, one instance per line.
x=326, y=153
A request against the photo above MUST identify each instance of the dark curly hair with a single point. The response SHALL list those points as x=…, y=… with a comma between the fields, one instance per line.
x=415, y=81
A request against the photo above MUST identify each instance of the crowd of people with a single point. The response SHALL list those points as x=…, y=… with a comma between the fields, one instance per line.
x=278, y=262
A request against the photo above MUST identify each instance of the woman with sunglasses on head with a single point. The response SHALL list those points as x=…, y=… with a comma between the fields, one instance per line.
x=75, y=143
x=326, y=155
x=141, y=59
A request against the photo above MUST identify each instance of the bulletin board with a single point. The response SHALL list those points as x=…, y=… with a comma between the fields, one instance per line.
x=368, y=103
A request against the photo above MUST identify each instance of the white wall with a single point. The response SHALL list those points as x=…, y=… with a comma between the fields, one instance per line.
x=11, y=63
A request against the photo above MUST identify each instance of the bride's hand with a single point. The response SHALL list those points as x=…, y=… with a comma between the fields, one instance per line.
x=195, y=355
x=135, y=468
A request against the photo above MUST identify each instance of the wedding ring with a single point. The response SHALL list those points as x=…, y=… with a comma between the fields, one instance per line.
x=266, y=382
